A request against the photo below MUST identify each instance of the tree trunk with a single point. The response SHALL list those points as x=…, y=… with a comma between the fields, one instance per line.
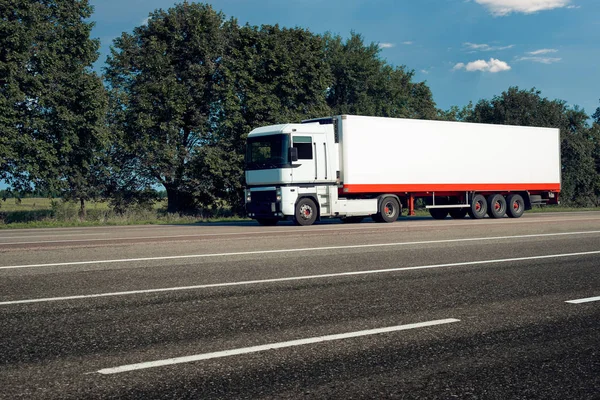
x=178, y=201
x=82, y=211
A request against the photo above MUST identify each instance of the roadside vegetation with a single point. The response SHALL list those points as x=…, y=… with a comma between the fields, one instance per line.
x=178, y=96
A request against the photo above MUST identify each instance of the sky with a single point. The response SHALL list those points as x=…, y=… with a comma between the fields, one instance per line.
x=465, y=50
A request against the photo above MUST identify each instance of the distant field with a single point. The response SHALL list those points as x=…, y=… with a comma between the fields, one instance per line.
x=45, y=204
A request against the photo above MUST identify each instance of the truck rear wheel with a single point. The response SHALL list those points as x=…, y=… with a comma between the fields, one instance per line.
x=390, y=210
x=306, y=212
x=478, y=207
x=438, y=213
x=458, y=213
x=496, y=206
x=515, y=205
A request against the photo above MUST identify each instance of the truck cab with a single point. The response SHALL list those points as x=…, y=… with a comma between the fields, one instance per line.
x=284, y=162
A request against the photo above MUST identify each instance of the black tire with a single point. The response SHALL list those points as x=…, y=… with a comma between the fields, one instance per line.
x=306, y=212
x=458, y=213
x=515, y=205
x=478, y=207
x=438, y=213
x=389, y=209
x=267, y=221
x=352, y=220
x=496, y=206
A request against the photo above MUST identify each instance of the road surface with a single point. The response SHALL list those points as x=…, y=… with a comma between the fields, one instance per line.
x=420, y=308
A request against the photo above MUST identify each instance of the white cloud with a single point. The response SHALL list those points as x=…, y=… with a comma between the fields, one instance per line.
x=493, y=65
x=485, y=47
x=542, y=60
x=408, y=42
x=386, y=45
x=145, y=21
x=542, y=51
x=505, y=7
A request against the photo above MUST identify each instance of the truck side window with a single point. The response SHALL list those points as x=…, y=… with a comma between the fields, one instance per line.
x=304, y=146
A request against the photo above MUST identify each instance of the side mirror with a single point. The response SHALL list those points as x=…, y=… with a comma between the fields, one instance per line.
x=293, y=153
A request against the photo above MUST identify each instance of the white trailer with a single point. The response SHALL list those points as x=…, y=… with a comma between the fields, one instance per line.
x=351, y=167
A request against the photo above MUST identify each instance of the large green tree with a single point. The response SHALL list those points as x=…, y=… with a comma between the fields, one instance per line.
x=529, y=108
x=188, y=87
x=52, y=105
x=272, y=75
x=164, y=80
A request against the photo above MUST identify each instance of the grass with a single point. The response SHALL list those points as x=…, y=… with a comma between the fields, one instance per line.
x=46, y=204
x=48, y=213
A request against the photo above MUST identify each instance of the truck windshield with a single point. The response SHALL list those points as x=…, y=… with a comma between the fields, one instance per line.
x=265, y=152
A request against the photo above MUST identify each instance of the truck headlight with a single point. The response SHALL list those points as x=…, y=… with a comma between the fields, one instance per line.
x=248, y=197
x=278, y=194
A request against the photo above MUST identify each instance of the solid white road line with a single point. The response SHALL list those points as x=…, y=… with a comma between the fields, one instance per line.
x=52, y=235
x=316, y=229
x=293, y=278
x=245, y=253
x=271, y=346
x=588, y=300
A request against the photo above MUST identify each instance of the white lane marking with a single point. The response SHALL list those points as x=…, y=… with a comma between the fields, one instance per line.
x=588, y=300
x=52, y=235
x=293, y=278
x=316, y=229
x=245, y=253
x=270, y=346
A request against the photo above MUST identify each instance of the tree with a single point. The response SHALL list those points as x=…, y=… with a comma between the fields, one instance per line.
x=529, y=108
x=363, y=83
x=52, y=104
x=271, y=75
x=164, y=80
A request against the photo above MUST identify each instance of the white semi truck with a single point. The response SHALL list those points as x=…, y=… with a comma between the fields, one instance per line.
x=351, y=167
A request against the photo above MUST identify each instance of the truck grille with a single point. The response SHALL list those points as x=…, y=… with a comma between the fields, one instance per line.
x=268, y=196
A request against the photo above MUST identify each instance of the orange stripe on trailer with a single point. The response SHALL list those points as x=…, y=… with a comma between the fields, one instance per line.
x=451, y=187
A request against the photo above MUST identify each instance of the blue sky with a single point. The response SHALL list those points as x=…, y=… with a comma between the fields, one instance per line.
x=464, y=49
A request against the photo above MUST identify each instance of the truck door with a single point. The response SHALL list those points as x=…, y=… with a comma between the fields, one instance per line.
x=304, y=170
x=320, y=150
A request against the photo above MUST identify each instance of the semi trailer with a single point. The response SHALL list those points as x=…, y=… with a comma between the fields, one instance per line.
x=352, y=167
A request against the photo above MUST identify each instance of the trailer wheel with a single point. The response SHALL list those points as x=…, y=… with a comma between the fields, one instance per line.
x=306, y=212
x=390, y=210
x=496, y=206
x=478, y=207
x=438, y=213
x=458, y=213
x=267, y=221
x=515, y=205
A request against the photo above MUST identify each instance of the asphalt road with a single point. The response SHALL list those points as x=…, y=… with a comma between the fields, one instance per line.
x=414, y=309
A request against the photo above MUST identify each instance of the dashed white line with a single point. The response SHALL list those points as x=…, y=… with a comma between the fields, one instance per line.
x=245, y=253
x=270, y=346
x=587, y=300
x=293, y=278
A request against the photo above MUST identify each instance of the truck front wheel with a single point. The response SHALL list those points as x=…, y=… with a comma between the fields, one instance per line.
x=306, y=212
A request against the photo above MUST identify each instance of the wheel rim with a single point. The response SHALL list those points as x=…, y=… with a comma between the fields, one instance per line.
x=516, y=206
x=389, y=210
x=480, y=207
x=306, y=211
